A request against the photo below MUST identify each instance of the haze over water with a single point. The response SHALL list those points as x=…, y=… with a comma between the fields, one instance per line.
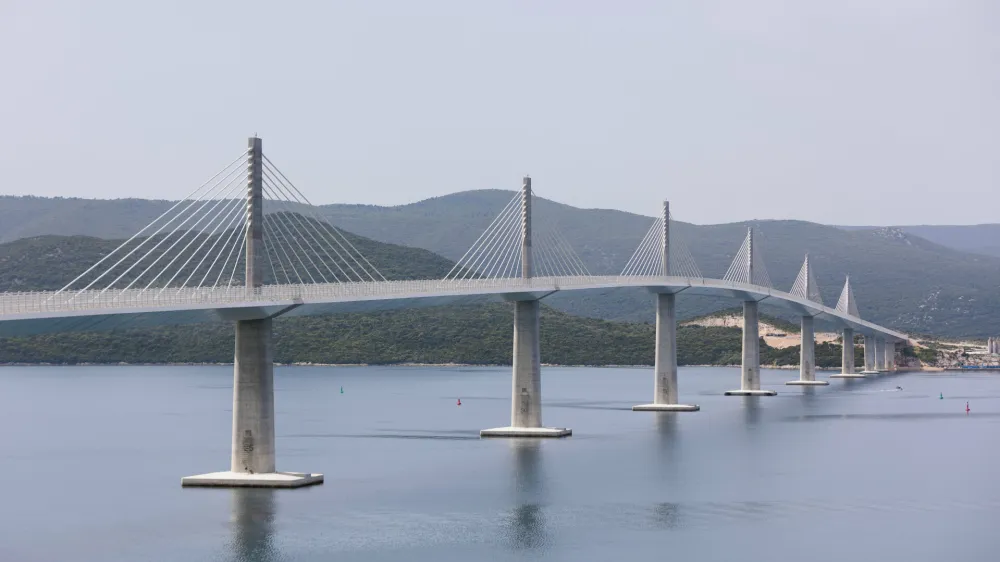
x=92, y=457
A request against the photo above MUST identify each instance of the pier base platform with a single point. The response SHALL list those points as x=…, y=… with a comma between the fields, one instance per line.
x=244, y=480
x=666, y=408
x=526, y=432
x=807, y=383
x=750, y=393
x=848, y=376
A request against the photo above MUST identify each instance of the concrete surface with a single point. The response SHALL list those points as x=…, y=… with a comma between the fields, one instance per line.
x=231, y=479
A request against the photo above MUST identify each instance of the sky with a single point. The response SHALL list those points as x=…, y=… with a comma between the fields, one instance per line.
x=851, y=112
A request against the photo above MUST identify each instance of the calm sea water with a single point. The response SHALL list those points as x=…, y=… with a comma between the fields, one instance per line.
x=91, y=460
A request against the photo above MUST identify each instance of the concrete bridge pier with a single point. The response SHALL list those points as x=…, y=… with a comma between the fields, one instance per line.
x=880, y=364
x=847, y=358
x=526, y=387
x=890, y=355
x=807, y=356
x=252, y=463
x=870, y=353
x=750, y=379
x=665, y=361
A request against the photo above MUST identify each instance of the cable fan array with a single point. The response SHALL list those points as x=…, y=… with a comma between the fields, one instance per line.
x=497, y=253
x=200, y=242
x=805, y=285
x=748, y=265
x=846, y=302
x=300, y=246
x=647, y=260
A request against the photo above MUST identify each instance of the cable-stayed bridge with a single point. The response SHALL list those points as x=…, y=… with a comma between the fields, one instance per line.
x=247, y=246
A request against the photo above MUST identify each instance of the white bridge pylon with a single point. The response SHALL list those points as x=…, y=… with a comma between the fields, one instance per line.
x=517, y=245
x=748, y=264
x=805, y=287
x=846, y=303
x=662, y=251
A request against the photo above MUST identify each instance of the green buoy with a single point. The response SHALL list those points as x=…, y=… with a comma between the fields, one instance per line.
x=341, y=390
x=941, y=397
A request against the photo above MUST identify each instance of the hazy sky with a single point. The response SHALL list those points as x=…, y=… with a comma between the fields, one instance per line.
x=848, y=112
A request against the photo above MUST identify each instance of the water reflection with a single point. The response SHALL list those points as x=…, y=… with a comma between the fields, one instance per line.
x=524, y=526
x=666, y=515
x=751, y=410
x=809, y=395
x=253, y=525
x=668, y=437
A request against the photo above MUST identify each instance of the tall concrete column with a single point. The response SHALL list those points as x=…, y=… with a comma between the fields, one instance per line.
x=750, y=378
x=665, y=360
x=665, y=355
x=890, y=355
x=807, y=356
x=869, y=354
x=253, y=398
x=751, y=347
x=526, y=397
x=847, y=358
x=252, y=462
x=255, y=215
x=526, y=387
x=527, y=263
x=880, y=354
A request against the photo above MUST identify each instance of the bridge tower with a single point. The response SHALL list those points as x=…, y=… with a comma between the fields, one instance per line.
x=665, y=359
x=847, y=305
x=750, y=369
x=805, y=286
x=252, y=462
x=526, y=387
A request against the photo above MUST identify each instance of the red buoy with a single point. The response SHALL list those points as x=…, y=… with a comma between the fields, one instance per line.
x=459, y=401
x=966, y=407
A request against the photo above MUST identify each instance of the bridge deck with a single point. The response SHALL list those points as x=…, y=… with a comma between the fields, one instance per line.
x=46, y=312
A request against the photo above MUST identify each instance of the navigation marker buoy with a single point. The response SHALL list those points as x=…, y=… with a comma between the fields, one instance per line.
x=941, y=397
x=459, y=402
x=341, y=390
x=966, y=408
